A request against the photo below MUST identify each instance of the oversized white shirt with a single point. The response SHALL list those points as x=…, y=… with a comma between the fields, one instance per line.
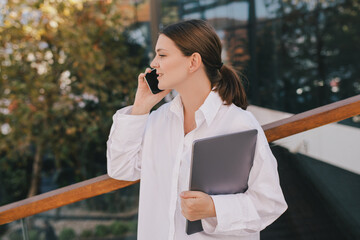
x=153, y=148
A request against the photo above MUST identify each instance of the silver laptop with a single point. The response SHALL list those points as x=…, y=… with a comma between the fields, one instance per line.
x=221, y=165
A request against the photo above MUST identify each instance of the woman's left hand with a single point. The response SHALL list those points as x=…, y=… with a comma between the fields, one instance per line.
x=197, y=205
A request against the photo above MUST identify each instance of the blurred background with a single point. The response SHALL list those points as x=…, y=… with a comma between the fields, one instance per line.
x=66, y=66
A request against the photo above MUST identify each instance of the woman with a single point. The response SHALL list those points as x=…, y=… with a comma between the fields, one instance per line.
x=156, y=147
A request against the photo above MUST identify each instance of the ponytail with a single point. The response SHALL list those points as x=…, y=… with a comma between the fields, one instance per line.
x=230, y=87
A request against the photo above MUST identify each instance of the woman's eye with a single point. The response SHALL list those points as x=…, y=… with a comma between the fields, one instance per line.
x=162, y=55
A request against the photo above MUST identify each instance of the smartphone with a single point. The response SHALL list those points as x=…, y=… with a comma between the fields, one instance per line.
x=152, y=81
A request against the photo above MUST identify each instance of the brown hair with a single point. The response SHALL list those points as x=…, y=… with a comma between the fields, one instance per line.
x=199, y=36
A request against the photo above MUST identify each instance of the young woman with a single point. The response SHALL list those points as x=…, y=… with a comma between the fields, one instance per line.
x=156, y=147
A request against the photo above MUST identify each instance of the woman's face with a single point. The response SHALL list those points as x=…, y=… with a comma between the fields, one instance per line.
x=169, y=62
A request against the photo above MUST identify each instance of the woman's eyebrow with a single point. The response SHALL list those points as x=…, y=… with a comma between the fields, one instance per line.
x=160, y=49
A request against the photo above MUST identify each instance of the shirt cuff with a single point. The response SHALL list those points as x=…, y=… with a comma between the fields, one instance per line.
x=209, y=224
x=233, y=214
x=226, y=212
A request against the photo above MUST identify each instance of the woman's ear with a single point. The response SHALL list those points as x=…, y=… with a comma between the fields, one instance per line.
x=195, y=62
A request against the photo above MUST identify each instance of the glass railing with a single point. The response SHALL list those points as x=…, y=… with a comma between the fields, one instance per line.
x=109, y=216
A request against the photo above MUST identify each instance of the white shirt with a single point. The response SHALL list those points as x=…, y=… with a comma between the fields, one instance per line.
x=153, y=147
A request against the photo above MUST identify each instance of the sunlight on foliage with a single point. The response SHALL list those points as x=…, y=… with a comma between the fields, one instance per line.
x=66, y=67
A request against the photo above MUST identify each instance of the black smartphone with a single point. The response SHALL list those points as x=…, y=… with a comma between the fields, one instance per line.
x=152, y=81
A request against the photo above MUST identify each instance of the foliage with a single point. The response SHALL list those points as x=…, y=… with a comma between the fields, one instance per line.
x=65, y=69
x=67, y=234
x=133, y=226
x=119, y=228
x=34, y=235
x=101, y=230
x=116, y=229
x=86, y=234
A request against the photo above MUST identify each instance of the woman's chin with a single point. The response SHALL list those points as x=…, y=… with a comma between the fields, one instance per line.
x=161, y=87
x=164, y=86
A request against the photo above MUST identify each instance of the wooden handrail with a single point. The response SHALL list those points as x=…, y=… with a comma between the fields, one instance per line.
x=96, y=186
x=60, y=197
x=314, y=118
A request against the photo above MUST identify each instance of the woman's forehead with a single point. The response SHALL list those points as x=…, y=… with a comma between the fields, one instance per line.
x=165, y=44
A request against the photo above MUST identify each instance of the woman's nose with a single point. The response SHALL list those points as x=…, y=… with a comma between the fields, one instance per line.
x=154, y=63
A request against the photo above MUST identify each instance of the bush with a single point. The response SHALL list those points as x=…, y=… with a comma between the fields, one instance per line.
x=119, y=228
x=34, y=235
x=102, y=231
x=86, y=233
x=132, y=226
x=67, y=234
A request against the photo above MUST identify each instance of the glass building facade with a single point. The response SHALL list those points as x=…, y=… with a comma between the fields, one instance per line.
x=296, y=54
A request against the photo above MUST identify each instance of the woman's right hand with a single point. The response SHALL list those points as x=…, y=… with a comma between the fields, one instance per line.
x=145, y=100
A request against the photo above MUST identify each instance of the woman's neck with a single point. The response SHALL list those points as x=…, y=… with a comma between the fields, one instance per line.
x=194, y=92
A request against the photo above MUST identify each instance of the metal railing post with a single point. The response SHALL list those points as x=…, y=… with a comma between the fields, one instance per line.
x=24, y=229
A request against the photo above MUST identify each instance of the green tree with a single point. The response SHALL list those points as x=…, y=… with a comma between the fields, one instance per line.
x=65, y=68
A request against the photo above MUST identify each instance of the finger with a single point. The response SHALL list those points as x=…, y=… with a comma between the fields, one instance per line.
x=183, y=206
x=141, y=75
x=190, y=194
x=183, y=213
x=141, y=78
x=186, y=204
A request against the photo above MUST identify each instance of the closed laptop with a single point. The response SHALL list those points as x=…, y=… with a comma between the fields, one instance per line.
x=221, y=165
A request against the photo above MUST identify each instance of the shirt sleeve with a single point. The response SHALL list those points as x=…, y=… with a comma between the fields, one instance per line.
x=124, y=145
x=263, y=202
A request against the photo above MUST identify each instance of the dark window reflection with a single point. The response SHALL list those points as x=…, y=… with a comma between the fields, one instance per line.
x=297, y=55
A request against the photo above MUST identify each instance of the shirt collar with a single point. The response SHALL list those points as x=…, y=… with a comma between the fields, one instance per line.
x=176, y=105
x=209, y=108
